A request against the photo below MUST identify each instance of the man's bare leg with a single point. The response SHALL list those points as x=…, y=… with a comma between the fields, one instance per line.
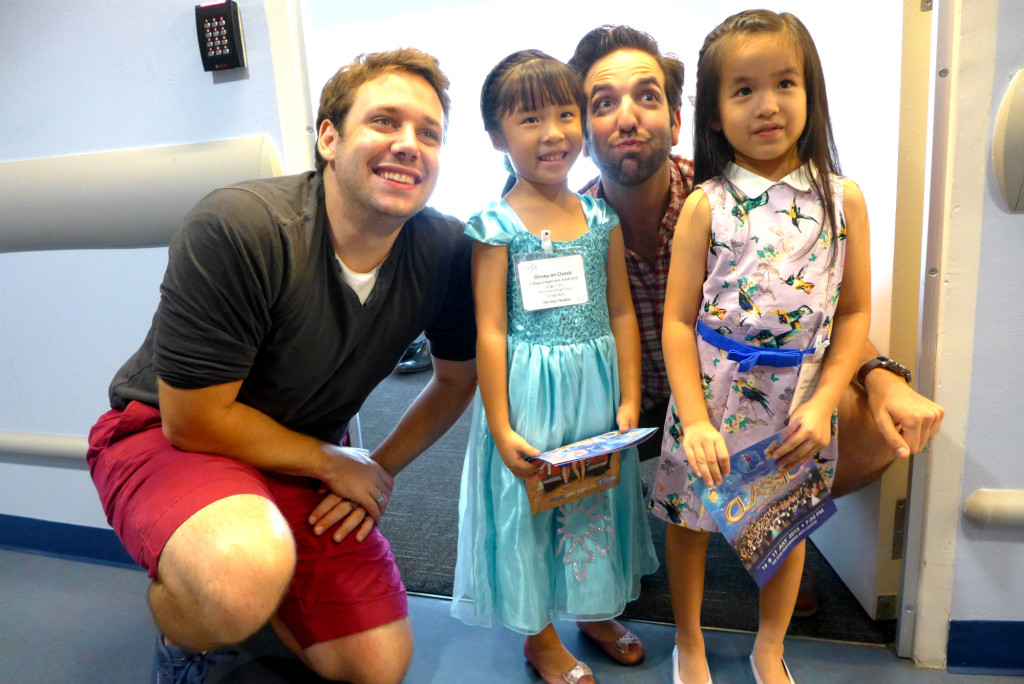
x=222, y=573
x=377, y=656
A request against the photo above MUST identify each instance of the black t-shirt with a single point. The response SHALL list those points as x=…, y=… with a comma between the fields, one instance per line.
x=253, y=292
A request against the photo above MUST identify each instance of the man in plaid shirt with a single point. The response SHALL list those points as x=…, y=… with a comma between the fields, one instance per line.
x=635, y=94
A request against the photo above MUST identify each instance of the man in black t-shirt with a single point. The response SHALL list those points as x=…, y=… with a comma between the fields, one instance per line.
x=285, y=302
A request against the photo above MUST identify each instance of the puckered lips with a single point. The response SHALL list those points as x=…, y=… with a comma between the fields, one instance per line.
x=398, y=175
x=629, y=142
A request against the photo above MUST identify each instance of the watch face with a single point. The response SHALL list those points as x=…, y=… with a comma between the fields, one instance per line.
x=895, y=367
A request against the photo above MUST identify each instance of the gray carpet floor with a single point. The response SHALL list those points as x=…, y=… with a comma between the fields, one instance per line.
x=422, y=525
x=67, y=621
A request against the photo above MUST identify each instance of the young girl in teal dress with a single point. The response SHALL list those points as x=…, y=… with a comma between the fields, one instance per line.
x=549, y=377
x=762, y=247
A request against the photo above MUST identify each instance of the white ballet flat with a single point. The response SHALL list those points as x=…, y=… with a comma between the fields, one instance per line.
x=757, y=676
x=676, y=679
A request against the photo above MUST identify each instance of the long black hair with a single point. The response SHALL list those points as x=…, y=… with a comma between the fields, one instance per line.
x=527, y=80
x=711, y=150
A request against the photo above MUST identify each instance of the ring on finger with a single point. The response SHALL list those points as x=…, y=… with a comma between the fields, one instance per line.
x=382, y=498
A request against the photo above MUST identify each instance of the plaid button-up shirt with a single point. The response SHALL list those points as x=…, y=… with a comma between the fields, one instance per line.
x=647, y=284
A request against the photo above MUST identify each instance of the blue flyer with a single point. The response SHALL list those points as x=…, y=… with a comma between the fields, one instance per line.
x=595, y=446
x=762, y=511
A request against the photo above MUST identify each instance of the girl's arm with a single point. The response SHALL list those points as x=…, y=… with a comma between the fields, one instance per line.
x=849, y=335
x=626, y=332
x=704, y=447
x=490, y=270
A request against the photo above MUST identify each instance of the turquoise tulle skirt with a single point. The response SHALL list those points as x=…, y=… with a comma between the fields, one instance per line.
x=582, y=560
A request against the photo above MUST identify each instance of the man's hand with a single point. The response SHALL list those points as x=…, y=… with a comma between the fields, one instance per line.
x=433, y=411
x=905, y=419
x=352, y=474
x=357, y=498
x=334, y=509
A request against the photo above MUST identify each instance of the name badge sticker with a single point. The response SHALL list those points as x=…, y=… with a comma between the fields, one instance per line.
x=810, y=371
x=547, y=282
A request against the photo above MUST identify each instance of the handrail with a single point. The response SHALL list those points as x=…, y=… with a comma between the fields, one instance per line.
x=39, y=444
x=996, y=508
x=120, y=199
x=74, y=447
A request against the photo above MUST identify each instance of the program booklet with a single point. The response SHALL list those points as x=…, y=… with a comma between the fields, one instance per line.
x=580, y=469
x=762, y=511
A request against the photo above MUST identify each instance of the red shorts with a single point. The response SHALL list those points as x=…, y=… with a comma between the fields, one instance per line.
x=148, y=488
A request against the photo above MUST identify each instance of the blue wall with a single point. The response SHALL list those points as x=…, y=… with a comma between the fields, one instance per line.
x=82, y=77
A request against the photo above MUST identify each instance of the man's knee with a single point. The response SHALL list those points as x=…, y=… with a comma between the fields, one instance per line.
x=232, y=561
x=376, y=656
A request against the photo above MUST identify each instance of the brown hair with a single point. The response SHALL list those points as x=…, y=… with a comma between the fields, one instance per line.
x=604, y=40
x=340, y=91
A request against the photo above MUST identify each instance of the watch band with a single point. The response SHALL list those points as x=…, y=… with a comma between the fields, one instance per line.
x=882, y=362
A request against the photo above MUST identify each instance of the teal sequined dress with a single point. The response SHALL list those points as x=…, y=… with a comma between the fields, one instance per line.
x=582, y=560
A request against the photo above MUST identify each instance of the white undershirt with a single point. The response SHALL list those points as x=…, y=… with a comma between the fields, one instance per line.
x=361, y=283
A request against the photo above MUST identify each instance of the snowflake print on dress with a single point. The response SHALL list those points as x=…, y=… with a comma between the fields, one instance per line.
x=585, y=533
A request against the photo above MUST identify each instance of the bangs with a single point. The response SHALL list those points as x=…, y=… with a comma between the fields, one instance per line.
x=538, y=84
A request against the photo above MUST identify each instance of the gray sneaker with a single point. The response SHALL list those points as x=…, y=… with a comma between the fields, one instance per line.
x=173, y=665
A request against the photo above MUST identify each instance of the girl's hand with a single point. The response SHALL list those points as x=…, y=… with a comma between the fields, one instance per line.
x=813, y=435
x=706, y=452
x=628, y=416
x=514, y=450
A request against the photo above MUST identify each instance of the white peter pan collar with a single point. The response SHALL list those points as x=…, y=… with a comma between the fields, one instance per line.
x=753, y=185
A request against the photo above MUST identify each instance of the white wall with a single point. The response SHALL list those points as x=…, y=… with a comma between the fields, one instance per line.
x=863, y=91
x=69, y=319
x=77, y=77
x=80, y=77
x=988, y=582
x=76, y=80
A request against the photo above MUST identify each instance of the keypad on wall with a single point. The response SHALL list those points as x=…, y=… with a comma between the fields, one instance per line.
x=219, y=28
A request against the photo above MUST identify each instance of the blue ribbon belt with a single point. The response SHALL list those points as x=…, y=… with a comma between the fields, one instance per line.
x=748, y=355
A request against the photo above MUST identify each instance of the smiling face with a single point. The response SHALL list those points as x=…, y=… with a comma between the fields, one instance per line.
x=542, y=144
x=762, y=102
x=383, y=164
x=630, y=129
